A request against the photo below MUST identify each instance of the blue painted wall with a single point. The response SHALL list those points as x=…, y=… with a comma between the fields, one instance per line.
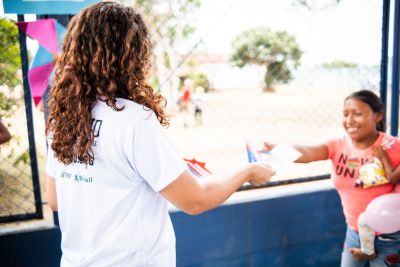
x=301, y=229
x=39, y=248
x=305, y=229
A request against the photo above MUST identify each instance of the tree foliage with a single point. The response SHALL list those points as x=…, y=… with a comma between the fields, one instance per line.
x=170, y=20
x=339, y=64
x=9, y=57
x=277, y=51
x=169, y=16
x=8, y=105
x=10, y=77
x=199, y=80
x=10, y=63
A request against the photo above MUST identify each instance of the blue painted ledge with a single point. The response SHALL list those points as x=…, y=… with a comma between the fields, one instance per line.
x=292, y=225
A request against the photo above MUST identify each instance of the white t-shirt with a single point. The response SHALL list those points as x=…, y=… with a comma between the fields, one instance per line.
x=110, y=211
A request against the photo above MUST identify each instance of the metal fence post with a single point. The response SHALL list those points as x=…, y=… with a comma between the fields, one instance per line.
x=394, y=115
x=384, y=54
x=29, y=121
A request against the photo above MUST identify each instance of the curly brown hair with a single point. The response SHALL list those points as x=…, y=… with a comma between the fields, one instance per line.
x=106, y=54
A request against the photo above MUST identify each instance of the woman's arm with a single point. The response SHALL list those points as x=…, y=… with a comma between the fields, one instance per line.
x=51, y=193
x=194, y=196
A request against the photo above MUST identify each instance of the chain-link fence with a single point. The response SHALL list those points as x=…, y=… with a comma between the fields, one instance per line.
x=19, y=195
x=277, y=71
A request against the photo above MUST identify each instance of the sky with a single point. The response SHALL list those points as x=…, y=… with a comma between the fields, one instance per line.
x=349, y=31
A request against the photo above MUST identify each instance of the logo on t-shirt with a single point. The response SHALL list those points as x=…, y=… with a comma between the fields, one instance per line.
x=353, y=163
x=349, y=167
x=96, y=127
x=77, y=177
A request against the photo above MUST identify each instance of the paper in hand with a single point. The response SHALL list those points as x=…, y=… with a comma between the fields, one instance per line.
x=279, y=157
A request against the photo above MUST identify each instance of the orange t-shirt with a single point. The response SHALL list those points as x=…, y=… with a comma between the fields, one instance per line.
x=347, y=160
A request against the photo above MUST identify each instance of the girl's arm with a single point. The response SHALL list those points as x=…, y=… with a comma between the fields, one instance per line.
x=309, y=153
x=395, y=177
x=51, y=193
x=312, y=153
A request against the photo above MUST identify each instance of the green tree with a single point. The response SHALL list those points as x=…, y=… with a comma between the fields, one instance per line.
x=9, y=56
x=170, y=21
x=199, y=79
x=277, y=51
x=339, y=64
x=10, y=63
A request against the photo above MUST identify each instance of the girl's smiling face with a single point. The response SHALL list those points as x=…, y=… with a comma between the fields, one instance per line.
x=359, y=120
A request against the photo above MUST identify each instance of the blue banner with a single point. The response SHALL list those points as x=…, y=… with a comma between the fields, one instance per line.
x=41, y=7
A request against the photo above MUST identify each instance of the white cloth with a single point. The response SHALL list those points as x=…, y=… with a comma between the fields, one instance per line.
x=111, y=213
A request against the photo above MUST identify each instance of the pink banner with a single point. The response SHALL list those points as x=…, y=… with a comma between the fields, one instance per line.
x=38, y=80
x=44, y=31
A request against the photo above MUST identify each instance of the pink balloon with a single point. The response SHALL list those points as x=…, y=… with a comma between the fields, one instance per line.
x=383, y=213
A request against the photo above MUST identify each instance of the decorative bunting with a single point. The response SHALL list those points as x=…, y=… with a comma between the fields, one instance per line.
x=48, y=33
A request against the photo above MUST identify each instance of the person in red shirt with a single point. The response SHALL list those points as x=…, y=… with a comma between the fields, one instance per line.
x=185, y=100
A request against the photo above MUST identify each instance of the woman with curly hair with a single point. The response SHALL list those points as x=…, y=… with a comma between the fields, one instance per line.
x=111, y=169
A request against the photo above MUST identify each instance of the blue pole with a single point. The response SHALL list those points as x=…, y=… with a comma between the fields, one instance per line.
x=394, y=115
x=384, y=54
x=29, y=120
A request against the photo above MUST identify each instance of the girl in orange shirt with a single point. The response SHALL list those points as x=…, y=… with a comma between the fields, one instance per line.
x=364, y=126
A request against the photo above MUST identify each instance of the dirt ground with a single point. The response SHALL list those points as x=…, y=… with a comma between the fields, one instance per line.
x=288, y=116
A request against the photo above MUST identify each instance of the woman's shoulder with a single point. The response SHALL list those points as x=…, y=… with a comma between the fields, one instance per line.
x=141, y=111
x=128, y=111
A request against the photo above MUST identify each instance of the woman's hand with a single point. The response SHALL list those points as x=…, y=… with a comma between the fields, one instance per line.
x=260, y=174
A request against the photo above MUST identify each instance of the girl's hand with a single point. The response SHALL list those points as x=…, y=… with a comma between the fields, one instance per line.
x=377, y=151
x=381, y=154
x=268, y=147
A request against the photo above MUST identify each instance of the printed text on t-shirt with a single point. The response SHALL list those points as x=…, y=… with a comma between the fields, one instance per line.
x=96, y=127
x=347, y=167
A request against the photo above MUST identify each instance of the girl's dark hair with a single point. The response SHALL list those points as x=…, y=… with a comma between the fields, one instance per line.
x=106, y=54
x=372, y=100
